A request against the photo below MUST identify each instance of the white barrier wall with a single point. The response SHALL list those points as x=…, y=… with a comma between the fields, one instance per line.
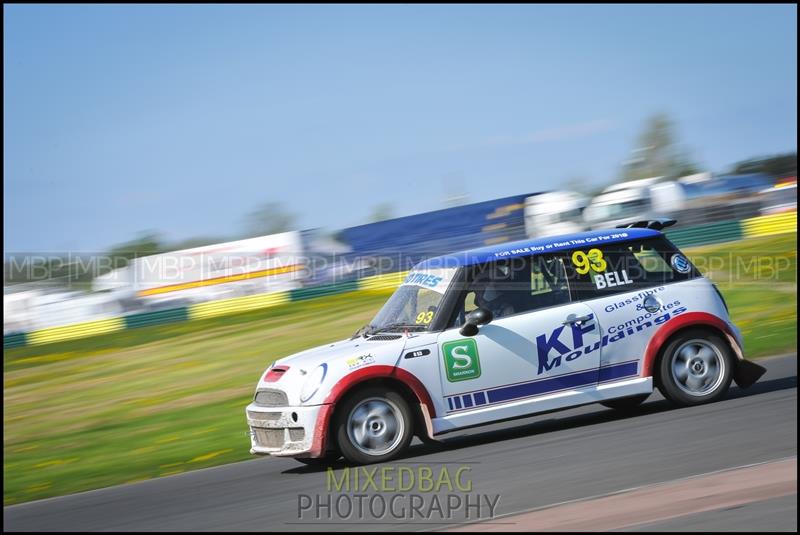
x=244, y=267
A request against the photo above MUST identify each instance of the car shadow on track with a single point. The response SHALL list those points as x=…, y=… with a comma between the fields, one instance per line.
x=601, y=415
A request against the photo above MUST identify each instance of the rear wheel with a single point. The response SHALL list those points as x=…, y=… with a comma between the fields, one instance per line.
x=625, y=404
x=696, y=367
x=373, y=425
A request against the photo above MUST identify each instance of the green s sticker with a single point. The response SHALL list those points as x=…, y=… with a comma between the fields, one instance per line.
x=461, y=361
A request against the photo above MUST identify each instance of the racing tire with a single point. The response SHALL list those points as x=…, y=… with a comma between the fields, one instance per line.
x=373, y=425
x=696, y=367
x=625, y=404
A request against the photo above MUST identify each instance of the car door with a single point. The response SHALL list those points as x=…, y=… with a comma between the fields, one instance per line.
x=628, y=286
x=539, y=343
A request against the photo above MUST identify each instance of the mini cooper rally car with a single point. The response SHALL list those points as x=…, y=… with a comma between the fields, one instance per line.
x=506, y=332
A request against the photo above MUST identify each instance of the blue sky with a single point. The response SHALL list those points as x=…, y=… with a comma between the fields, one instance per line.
x=182, y=119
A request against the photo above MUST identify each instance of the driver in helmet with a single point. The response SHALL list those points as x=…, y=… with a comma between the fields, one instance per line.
x=492, y=289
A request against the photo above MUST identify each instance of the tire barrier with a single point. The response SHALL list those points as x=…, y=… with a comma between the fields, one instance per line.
x=380, y=283
x=158, y=317
x=706, y=234
x=302, y=294
x=236, y=305
x=770, y=224
x=70, y=332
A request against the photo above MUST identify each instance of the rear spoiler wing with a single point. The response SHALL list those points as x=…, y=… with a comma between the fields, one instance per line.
x=655, y=224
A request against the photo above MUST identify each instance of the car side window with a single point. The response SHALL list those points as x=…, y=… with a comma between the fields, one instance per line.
x=650, y=260
x=622, y=267
x=549, y=285
x=514, y=286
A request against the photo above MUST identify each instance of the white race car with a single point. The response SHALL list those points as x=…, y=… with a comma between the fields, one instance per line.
x=506, y=332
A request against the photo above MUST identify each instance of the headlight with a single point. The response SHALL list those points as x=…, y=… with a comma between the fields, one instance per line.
x=313, y=382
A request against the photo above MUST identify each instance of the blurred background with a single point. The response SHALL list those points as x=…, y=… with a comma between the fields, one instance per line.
x=175, y=171
x=270, y=148
x=147, y=274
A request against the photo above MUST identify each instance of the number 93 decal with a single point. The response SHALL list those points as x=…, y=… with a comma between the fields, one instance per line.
x=425, y=317
x=591, y=260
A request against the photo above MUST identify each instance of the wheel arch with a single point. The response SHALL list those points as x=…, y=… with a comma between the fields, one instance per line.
x=678, y=325
x=405, y=383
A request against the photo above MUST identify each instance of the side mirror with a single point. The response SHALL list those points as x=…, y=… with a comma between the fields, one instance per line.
x=479, y=316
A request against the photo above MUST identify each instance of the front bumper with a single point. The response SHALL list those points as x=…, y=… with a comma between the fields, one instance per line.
x=282, y=431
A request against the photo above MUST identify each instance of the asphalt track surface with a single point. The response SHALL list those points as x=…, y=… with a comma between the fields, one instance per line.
x=533, y=463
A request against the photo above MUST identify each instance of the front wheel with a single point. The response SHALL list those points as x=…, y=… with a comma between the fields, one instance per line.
x=696, y=367
x=373, y=425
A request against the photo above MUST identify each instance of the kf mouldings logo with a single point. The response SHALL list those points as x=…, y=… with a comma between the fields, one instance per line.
x=461, y=360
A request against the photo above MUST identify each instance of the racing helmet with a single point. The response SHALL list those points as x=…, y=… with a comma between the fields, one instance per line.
x=488, y=286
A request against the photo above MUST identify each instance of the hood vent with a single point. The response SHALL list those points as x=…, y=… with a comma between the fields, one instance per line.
x=275, y=373
x=383, y=337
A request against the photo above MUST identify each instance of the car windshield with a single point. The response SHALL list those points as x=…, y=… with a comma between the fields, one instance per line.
x=415, y=303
